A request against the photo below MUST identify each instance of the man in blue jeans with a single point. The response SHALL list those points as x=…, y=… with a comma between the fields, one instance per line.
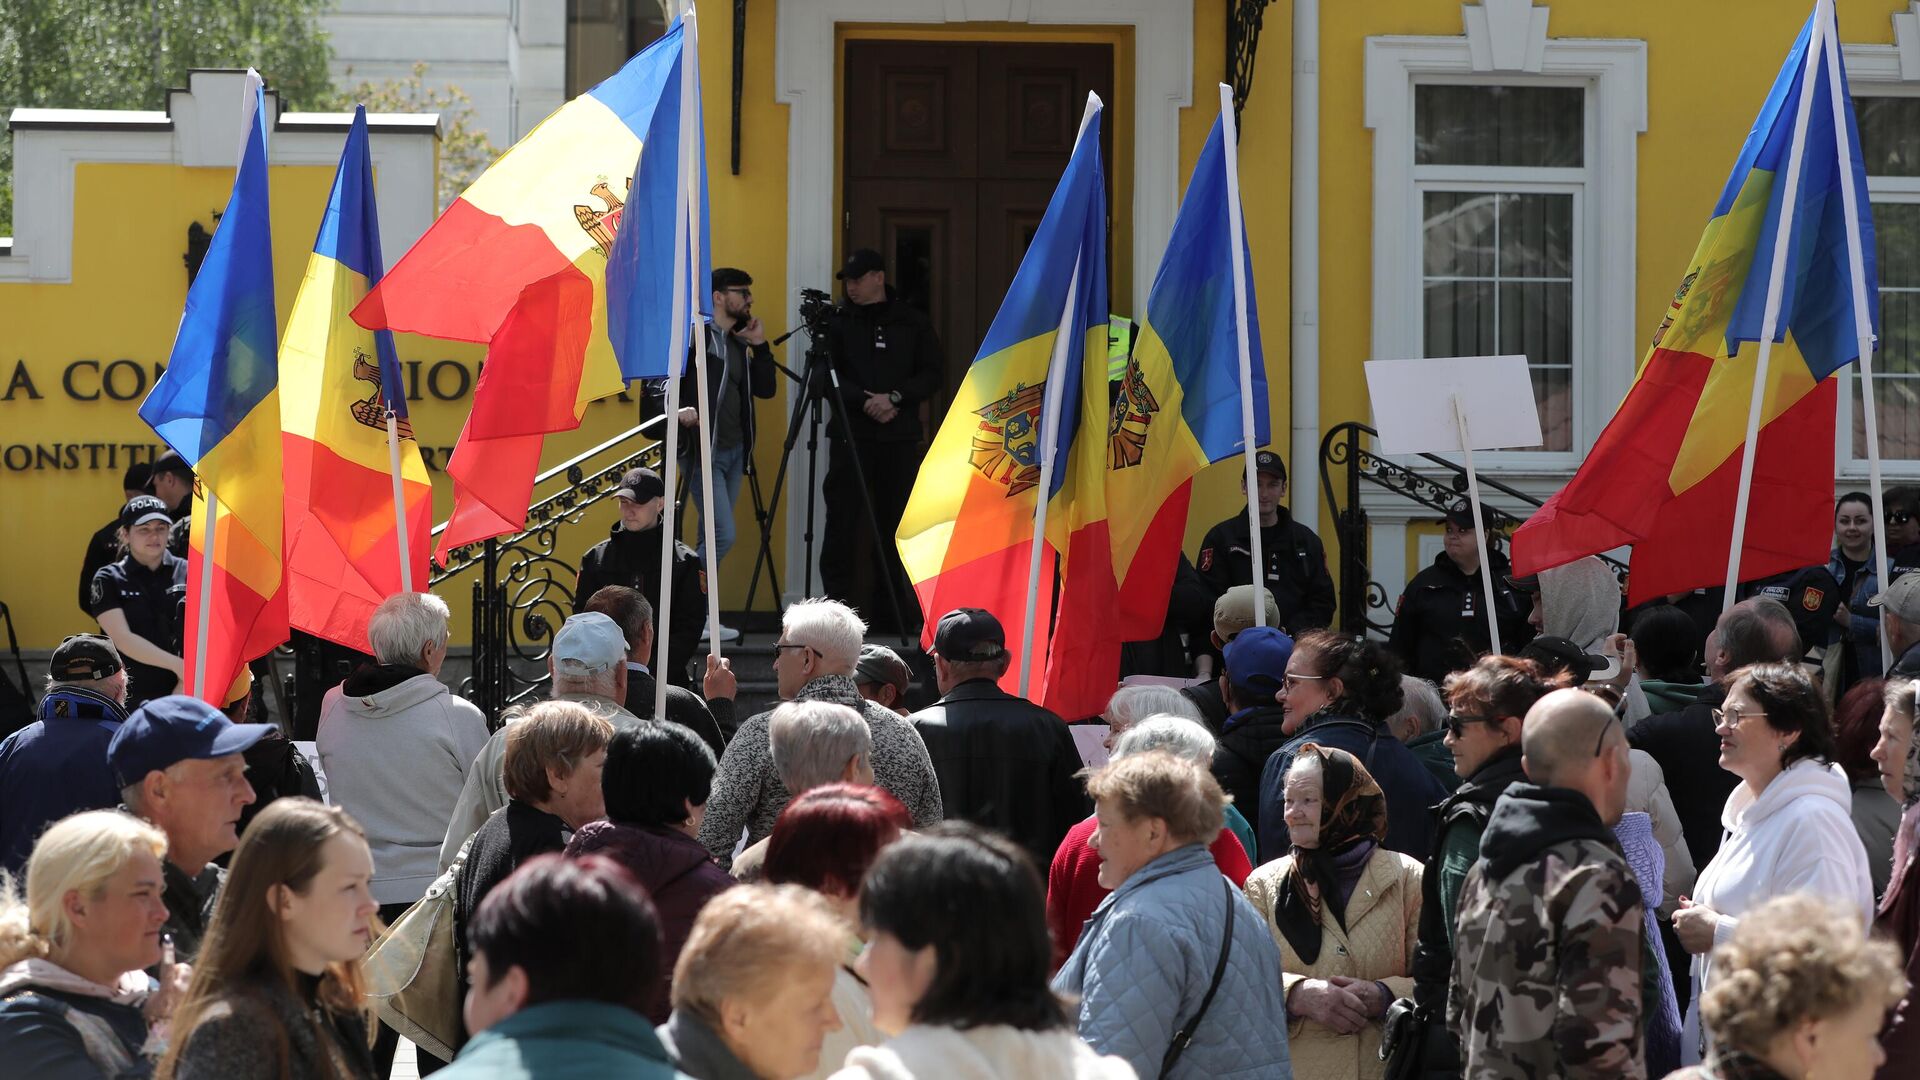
x=739, y=369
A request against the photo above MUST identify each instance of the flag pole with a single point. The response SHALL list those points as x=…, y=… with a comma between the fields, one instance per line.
x=1050, y=406
x=690, y=86
x=1479, y=525
x=209, y=519
x=1776, y=282
x=676, y=366
x=399, y=502
x=1236, y=233
x=1862, y=321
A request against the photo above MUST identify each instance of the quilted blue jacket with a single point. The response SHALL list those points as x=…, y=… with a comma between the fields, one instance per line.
x=1144, y=963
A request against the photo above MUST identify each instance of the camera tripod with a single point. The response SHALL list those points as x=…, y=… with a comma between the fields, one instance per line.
x=815, y=380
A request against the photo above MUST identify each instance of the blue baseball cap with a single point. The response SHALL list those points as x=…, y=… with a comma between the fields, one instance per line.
x=1257, y=659
x=172, y=729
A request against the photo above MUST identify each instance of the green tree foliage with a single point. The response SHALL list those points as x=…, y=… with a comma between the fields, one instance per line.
x=465, y=151
x=126, y=54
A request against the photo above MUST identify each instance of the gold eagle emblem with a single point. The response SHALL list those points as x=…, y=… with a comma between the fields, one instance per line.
x=370, y=410
x=1006, y=447
x=601, y=224
x=1133, y=411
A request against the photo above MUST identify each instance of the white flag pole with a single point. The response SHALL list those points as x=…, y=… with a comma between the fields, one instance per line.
x=1479, y=525
x=689, y=116
x=1862, y=321
x=1050, y=406
x=676, y=360
x=1236, y=231
x=209, y=520
x=1770, y=319
x=399, y=502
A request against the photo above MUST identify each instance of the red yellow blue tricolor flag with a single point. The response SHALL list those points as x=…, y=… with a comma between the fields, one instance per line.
x=1665, y=474
x=340, y=379
x=1178, y=408
x=967, y=537
x=519, y=262
x=218, y=405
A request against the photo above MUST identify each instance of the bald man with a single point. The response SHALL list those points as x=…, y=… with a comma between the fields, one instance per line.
x=1547, y=961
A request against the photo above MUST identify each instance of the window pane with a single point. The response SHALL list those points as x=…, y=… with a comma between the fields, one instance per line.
x=1536, y=235
x=1889, y=135
x=1528, y=126
x=1459, y=318
x=1536, y=318
x=1553, y=395
x=1896, y=384
x=602, y=35
x=1459, y=233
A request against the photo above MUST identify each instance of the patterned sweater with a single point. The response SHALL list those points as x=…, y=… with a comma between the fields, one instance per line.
x=747, y=792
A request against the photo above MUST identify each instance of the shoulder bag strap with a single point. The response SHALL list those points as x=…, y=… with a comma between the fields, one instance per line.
x=1184, y=1036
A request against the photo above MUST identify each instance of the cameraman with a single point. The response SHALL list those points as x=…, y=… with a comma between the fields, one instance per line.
x=739, y=369
x=889, y=363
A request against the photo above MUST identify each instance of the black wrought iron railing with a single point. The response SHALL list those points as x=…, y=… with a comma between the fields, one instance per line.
x=1436, y=483
x=523, y=587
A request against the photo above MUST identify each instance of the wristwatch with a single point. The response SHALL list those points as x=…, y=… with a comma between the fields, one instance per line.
x=893, y=396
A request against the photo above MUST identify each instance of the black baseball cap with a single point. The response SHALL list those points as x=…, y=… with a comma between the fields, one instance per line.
x=141, y=509
x=84, y=657
x=139, y=476
x=1459, y=515
x=1268, y=462
x=860, y=262
x=172, y=729
x=970, y=634
x=172, y=462
x=640, y=485
x=1558, y=654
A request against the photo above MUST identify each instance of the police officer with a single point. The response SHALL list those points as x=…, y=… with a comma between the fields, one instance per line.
x=173, y=485
x=630, y=556
x=136, y=600
x=1440, y=623
x=889, y=362
x=1296, y=561
x=104, y=547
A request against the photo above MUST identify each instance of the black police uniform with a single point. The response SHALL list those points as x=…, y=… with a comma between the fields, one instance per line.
x=885, y=347
x=150, y=600
x=1440, y=623
x=1296, y=568
x=1810, y=595
x=102, y=548
x=633, y=559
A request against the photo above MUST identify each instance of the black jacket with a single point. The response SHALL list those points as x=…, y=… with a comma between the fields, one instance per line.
x=1688, y=751
x=1005, y=763
x=633, y=559
x=759, y=384
x=1212, y=704
x=1440, y=623
x=1907, y=665
x=1246, y=740
x=888, y=346
x=685, y=708
x=1296, y=568
x=1467, y=808
x=511, y=835
x=102, y=548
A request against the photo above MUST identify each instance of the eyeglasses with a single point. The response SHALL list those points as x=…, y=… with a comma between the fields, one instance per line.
x=1731, y=716
x=1457, y=724
x=1600, y=743
x=1896, y=518
x=739, y=289
x=778, y=648
x=1293, y=681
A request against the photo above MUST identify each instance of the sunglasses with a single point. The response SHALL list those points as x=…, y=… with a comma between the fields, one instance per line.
x=1600, y=743
x=1457, y=724
x=1899, y=518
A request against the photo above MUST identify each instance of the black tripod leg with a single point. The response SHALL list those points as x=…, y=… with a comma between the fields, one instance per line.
x=765, y=554
x=763, y=515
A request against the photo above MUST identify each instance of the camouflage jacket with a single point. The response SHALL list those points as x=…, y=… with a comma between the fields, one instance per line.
x=1546, y=973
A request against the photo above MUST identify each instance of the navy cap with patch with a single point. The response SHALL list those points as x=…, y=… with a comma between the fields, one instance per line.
x=173, y=729
x=1266, y=461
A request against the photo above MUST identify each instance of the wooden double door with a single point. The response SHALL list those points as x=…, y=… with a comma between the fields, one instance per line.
x=951, y=151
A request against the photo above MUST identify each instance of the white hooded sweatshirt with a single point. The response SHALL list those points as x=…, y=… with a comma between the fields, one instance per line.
x=982, y=1053
x=1796, y=837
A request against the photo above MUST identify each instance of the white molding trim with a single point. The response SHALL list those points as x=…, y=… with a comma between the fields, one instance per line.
x=1505, y=35
x=1906, y=43
x=49, y=145
x=804, y=65
x=1615, y=71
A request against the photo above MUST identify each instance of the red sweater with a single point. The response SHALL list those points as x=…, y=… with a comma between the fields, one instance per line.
x=1074, y=889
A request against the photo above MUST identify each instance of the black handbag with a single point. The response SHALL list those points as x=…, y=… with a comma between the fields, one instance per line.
x=1415, y=1043
x=1184, y=1036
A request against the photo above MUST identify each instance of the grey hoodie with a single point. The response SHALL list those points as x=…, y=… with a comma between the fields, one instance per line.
x=395, y=758
x=1581, y=602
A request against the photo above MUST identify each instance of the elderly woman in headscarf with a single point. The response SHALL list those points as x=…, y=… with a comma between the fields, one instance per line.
x=1898, y=755
x=1345, y=911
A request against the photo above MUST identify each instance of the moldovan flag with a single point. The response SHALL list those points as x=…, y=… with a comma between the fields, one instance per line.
x=1664, y=474
x=1179, y=404
x=218, y=405
x=343, y=554
x=966, y=538
x=519, y=262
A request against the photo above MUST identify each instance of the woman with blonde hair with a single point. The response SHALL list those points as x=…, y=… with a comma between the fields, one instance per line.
x=1800, y=994
x=277, y=989
x=74, y=1001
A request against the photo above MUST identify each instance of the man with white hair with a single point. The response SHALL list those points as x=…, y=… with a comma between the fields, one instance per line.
x=813, y=743
x=396, y=746
x=814, y=660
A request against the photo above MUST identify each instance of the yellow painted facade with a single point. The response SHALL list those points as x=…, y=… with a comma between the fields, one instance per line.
x=1708, y=65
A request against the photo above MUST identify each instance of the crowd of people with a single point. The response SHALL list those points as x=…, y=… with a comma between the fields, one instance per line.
x=1687, y=849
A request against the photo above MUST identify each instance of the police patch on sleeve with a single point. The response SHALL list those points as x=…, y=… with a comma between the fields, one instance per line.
x=1206, y=559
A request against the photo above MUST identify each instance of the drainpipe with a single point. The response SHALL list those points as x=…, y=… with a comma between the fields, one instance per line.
x=1303, y=467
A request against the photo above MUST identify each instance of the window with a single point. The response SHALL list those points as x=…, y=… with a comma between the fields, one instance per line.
x=1500, y=174
x=602, y=35
x=1890, y=147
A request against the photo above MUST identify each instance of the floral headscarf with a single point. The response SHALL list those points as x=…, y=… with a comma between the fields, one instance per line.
x=1353, y=813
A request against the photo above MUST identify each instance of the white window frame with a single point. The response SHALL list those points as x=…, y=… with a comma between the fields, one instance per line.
x=1874, y=71
x=1607, y=344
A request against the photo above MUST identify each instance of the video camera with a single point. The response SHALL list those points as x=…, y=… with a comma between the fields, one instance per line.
x=816, y=310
